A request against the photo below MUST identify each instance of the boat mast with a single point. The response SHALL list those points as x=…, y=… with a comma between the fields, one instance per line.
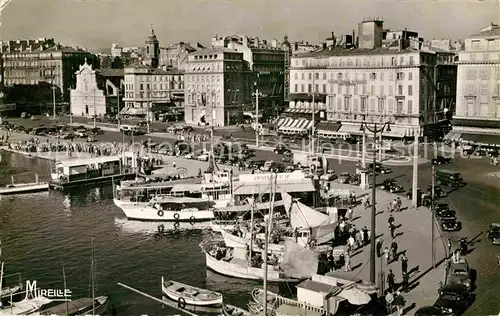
x=1, y=280
x=251, y=234
x=266, y=241
x=92, y=277
x=65, y=298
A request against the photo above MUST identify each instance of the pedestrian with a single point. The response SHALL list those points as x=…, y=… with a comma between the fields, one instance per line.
x=386, y=255
x=331, y=261
x=449, y=247
x=404, y=264
x=367, y=202
x=390, y=281
x=348, y=263
x=391, y=220
x=359, y=238
x=394, y=248
x=349, y=214
x=173, y=164
x=351, y=241
x=365, y=235
x=378, y=247
x=392, y=227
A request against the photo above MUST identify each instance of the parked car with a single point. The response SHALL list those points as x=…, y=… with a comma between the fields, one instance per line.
x=355, y=179
x=447, y=213
x=82, y=133
x=428, y=310
x=459, y=273
x=65, y=136
x=439, y=191
x=344, y=177
x=281, y=149
x=379, y=168
x=392, y=186
x=449, y=224
x=330, y=175
x=493, y=233
x=96, y=131
x=287, y=157
x=454, y=299
x=440, y=160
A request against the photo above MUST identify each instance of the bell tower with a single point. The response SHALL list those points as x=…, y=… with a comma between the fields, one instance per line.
x=152, y=50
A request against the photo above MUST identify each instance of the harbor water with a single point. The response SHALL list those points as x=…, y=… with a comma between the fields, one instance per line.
x=43, y=232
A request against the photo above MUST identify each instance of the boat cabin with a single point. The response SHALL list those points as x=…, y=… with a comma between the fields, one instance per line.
x=87, y=168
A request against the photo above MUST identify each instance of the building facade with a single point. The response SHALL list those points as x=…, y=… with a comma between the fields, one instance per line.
x=218, y=85
x=147, y=88
x=32, y=62
x=478, y=83
x=175, y=55
x=87, y=99
x=267, y=63
x=112, y=82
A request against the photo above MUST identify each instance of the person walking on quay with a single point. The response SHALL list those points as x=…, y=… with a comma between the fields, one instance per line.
x=378, y=247
x=348, y=262
x=449, y=247
x=386, y=255
x=350, y=242
x=391, y=281
x=359, y=238
x=394, y=248
x=367, y=202
x=349, y=214
x=391, y=220
x=365, y=235
x=404, y=264
x=392, y=227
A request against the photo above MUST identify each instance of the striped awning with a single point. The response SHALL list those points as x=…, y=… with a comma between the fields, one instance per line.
x=396, y=132
x=301, y=111
x=453, y=135
x=295, y=123
x=351, y=128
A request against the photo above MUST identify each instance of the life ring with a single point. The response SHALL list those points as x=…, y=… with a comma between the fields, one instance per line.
x=176, y=215
x=181, y=302
x=160, y=213
x=192, y=220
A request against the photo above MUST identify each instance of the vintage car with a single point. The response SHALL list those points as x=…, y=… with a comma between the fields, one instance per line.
x=439, y=191
x=449, y=224
x=446, y=213
x=459, y=273
x=454, y=299
x=392, y=186
x=379, y=168
x=344, y=177
x=440, y=160
x=493, y=233
x=330, y=175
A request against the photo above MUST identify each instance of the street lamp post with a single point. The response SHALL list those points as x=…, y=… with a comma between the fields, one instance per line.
x=375, y=129
x=257, y=94
x=313, y=128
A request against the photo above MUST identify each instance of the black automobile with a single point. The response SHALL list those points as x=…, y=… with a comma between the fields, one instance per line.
x=439, y=192
x=493, y=233
x=440, y=160
x=449, y=224
x=445, y=214
x=428, y=311
x=454, y=299
x=281, y=149
x=257, y=164
x=392, y=186
x=379, y=168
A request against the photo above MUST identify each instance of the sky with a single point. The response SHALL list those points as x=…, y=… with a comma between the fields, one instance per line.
x=96, y=24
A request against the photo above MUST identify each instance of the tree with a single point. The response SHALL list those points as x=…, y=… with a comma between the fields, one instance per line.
x=117, y=63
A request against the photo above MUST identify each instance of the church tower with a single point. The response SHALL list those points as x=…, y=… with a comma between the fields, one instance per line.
x=152, y=50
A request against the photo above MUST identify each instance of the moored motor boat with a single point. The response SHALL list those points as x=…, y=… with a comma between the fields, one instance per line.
x=81, y=306
x=231, y=310
x=187, y=294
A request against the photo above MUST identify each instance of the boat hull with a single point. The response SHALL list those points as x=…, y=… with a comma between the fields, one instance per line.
x=242, y=271
x=175, y=296
x=25, y=188
x=148, y=213
x=62, y=185
x=230, y=310
x=233, y=241
x=219, y=225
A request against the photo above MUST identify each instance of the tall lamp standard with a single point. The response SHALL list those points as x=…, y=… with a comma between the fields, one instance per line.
x=257, y=94
x=375, y=130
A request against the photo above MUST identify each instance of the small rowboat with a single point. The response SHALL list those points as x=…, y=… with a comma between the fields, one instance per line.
x=185, y=294
x=230, y=310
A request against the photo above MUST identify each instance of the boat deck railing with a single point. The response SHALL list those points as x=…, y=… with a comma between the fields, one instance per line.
x=280, y=300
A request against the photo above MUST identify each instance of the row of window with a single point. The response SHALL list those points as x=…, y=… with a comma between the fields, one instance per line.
x=345, y=61
x=149, y=78
x=354, y=89
x=31, y=63
x=370, y=105
x=471, y=89
x=267, y=57
x=483, y=74
x=212, y=78
x=473, y=108
x=355, y=76
x=479, y=57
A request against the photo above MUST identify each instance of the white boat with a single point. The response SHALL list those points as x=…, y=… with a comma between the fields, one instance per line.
x=154, y=228
x=231, y=310
x=81, y=306
x=187, y=294
x=27, y=306
x=218, y=225
x=234, y=241
x=217, y=310
x=19, y=188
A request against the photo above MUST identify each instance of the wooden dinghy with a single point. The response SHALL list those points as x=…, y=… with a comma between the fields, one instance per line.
x=187, y=294
x=231, y=310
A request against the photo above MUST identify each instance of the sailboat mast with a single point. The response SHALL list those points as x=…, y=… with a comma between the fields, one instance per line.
x=92, y=277
x=266, y=241
x=1, y=280
x=65, y=298
x=251, y=234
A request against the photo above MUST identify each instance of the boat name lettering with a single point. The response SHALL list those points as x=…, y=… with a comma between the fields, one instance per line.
x=267, y=177
x=56, y=295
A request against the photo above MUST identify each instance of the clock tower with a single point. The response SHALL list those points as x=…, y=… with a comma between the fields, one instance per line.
x=152, y=50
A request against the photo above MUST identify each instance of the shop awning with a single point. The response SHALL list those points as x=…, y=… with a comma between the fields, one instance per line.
x=327, y=126
x=482, y=139
x=249, y=189
x=300, y=111
x=134, y=111
x=351, y=128
x=307, y=97
x=453, y=135
x=291, y=122
x=396, y=132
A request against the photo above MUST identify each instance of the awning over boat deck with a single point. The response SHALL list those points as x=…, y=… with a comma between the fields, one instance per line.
x=351, y=128
x=296, y=123
x=396, y=132
x=453, y=135
x=197, y=187
x=248, y=207
x=328, y=127
x=256, y=188
x=482, y=139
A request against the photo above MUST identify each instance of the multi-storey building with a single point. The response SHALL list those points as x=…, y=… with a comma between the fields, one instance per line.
x=148, y=88
x=374, y=84
x=31, y=62
x=218, y=86
x=267, y=63
x=478, y=84
x=175, y=55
